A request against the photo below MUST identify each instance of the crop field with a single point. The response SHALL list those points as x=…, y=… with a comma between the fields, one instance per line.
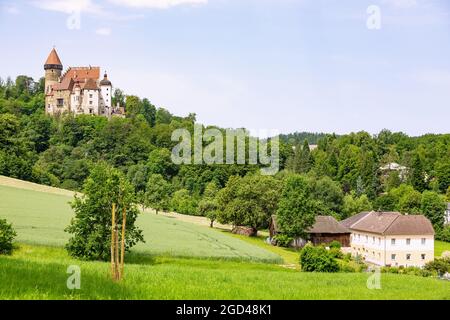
x=40, y=218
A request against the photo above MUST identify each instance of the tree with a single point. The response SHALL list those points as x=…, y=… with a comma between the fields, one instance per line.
x=91, y=226
x=328, y=192
x=418, y=174
x=7, y=235
x=442, y=170
x=160, y=162
x=447, y=195
x=249, y=201
x=296, y=210
x=182, y=202
x=433, y=207
x=157, y=194
x=208, y=206
x=353, y=205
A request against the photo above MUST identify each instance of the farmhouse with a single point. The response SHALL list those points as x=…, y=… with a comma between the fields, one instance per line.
x=391, y=238
x=325, y=230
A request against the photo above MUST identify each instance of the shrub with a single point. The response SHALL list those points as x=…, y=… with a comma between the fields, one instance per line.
x=317, y=259
x=440, y=266
x=347, y=257
x=336, y=253
x=283, y=240
x=7, y=235
x=335, y=244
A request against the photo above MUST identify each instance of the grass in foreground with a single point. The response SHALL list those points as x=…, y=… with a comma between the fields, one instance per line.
x=35, y=272
x=40, y=218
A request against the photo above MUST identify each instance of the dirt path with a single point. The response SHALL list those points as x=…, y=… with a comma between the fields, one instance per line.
x=20, y=184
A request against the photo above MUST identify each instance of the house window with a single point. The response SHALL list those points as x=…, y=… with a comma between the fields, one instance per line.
x=91, y=111
x=392, y=256
x=90, y=102
x=367, y=239
x=90, y=96
x=373, y=239
x=379, y=240
x=423, y=256
x=60, y=102
x=424, y=240
x=393, y=241
x=408, y=256
x=408, y=241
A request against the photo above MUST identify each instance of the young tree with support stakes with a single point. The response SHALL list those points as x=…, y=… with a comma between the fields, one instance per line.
x=91, y=227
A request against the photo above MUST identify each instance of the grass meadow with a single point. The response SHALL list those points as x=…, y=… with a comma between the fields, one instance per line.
x=35, y=272
x=179, y=260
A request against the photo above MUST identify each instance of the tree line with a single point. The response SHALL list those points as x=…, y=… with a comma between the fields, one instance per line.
x=340, y=177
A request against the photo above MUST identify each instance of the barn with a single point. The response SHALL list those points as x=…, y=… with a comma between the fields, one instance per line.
x=325, y=230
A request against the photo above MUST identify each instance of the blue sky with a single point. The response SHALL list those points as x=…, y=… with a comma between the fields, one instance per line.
x=290, y=65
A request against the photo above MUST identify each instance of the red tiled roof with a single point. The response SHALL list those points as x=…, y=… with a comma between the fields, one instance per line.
x=82, y=73
x=53, y=58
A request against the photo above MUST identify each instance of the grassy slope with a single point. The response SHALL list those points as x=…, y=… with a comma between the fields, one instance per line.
x=40, y=273
x=440, y=247
x=40, y=218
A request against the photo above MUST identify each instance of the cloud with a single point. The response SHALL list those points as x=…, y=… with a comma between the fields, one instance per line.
x=68, y=6
x=157, y=4
x=103, y=31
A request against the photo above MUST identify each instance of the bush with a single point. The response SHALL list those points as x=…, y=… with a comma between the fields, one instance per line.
x=317, y=259
x=413, y=271
x=335, y=244
x=283, y=240
x=336, y=253
x=7, y=235
x=440, y=266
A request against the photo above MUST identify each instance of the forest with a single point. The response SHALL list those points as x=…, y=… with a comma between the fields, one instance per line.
x=342, y=176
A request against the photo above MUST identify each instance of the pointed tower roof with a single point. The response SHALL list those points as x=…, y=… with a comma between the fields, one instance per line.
x=53, y=61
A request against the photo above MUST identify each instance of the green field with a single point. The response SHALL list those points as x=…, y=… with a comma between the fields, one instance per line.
x=40, y=218
x=35, y=272
x=180, y=260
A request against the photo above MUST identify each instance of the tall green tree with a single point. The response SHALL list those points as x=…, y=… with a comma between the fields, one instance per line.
x=157, y=194
x=296, y=210
x=91, y=226
x=433, y=207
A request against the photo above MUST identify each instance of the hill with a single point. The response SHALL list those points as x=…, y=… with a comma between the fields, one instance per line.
x=41, y=217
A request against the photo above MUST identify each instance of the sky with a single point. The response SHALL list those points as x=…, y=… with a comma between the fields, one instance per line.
x=288, y=65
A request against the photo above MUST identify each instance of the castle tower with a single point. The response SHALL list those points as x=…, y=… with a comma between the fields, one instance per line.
x=106, y=94
x=53, y=68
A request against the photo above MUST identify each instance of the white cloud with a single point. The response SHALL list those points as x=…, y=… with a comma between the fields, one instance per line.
x=68, y=6
x=103, y=31
x=158, y=4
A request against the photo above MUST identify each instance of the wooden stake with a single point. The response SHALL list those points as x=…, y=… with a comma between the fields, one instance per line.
x=113, y=220
x=122, y=257
x=117, y=276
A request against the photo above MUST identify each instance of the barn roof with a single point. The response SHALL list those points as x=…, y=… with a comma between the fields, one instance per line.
x=327, y=224
x=323, y=224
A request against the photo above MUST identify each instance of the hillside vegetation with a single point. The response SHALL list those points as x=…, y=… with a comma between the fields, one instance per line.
x=40, y=218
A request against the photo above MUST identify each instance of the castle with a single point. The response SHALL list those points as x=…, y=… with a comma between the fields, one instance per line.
x=78, y=90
